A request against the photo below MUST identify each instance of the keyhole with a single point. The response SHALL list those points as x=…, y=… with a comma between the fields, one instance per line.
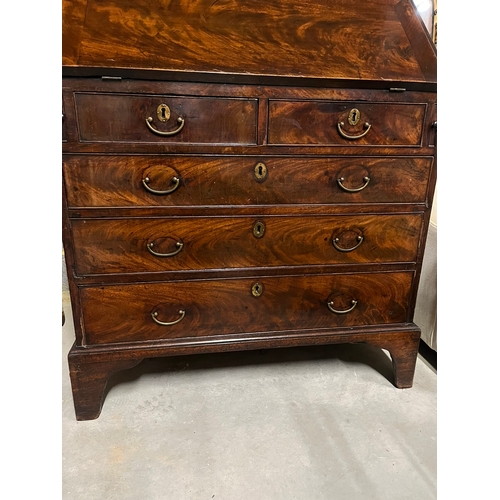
x=260, y=172
x=354, y=116
x=259, y=229
x=257, y=289
x=163, y=112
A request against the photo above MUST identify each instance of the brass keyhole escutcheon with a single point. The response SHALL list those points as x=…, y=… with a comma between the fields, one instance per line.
x=163, y=112
x=260, y=172
x=259, y=228
x=257, y=289
x=354, y=116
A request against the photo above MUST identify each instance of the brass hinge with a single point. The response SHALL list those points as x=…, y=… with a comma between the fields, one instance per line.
x=397, y=89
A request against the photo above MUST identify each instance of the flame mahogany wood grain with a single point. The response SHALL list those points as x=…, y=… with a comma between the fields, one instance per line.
x=120, y=246
x=255, y=81
x=116, y=181
x=115, y=120
x=316, y=122
x=122, y=313
x=372, y=40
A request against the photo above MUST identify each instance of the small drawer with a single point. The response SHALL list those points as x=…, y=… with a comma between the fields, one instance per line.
x=345, y=123
x=200, y=243
x=191, y=309
x=173, y=181
x=171, y=119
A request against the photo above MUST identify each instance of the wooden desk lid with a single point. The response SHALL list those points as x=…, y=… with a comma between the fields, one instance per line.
x=334, y=40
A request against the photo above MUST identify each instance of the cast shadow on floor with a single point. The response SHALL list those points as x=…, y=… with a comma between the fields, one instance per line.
x=429, y=355
x=374, y=357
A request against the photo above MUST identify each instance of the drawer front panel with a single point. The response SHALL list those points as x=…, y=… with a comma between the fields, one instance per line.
x=195, y=120
x=118, y=181
x=126, y=313
x=327, y=122
x=159, y=245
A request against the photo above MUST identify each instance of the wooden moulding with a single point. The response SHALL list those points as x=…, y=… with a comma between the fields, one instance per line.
x=91, y=368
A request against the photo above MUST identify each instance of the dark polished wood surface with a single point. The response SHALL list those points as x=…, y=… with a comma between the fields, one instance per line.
x=114, y=314
x=241, y=119
x=116, y=181
x=316, y=122
x=122, y=118
x=372, y=40
x=258, y=177
x=90, y=369
x=121, y=246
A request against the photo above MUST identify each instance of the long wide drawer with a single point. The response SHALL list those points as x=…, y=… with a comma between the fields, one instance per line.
x=200, y=243
x=345, y=123
x=155, y=311
x=157, y=118
x=127, y=181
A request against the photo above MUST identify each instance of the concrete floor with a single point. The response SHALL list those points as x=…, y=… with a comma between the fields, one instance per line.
x=303, y=423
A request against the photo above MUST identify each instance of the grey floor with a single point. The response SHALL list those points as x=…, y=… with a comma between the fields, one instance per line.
x=304, y=423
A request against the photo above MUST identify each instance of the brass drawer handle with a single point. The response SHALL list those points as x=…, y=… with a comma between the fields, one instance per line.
x=351, y=137
x=330, y=306
x=179, y=245
x=159, y=132
x=349, y=190
x=163, y=323
x=146, y=180
x=340, y=249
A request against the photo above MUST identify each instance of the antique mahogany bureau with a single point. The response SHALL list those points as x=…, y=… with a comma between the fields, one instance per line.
x=243, y=174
